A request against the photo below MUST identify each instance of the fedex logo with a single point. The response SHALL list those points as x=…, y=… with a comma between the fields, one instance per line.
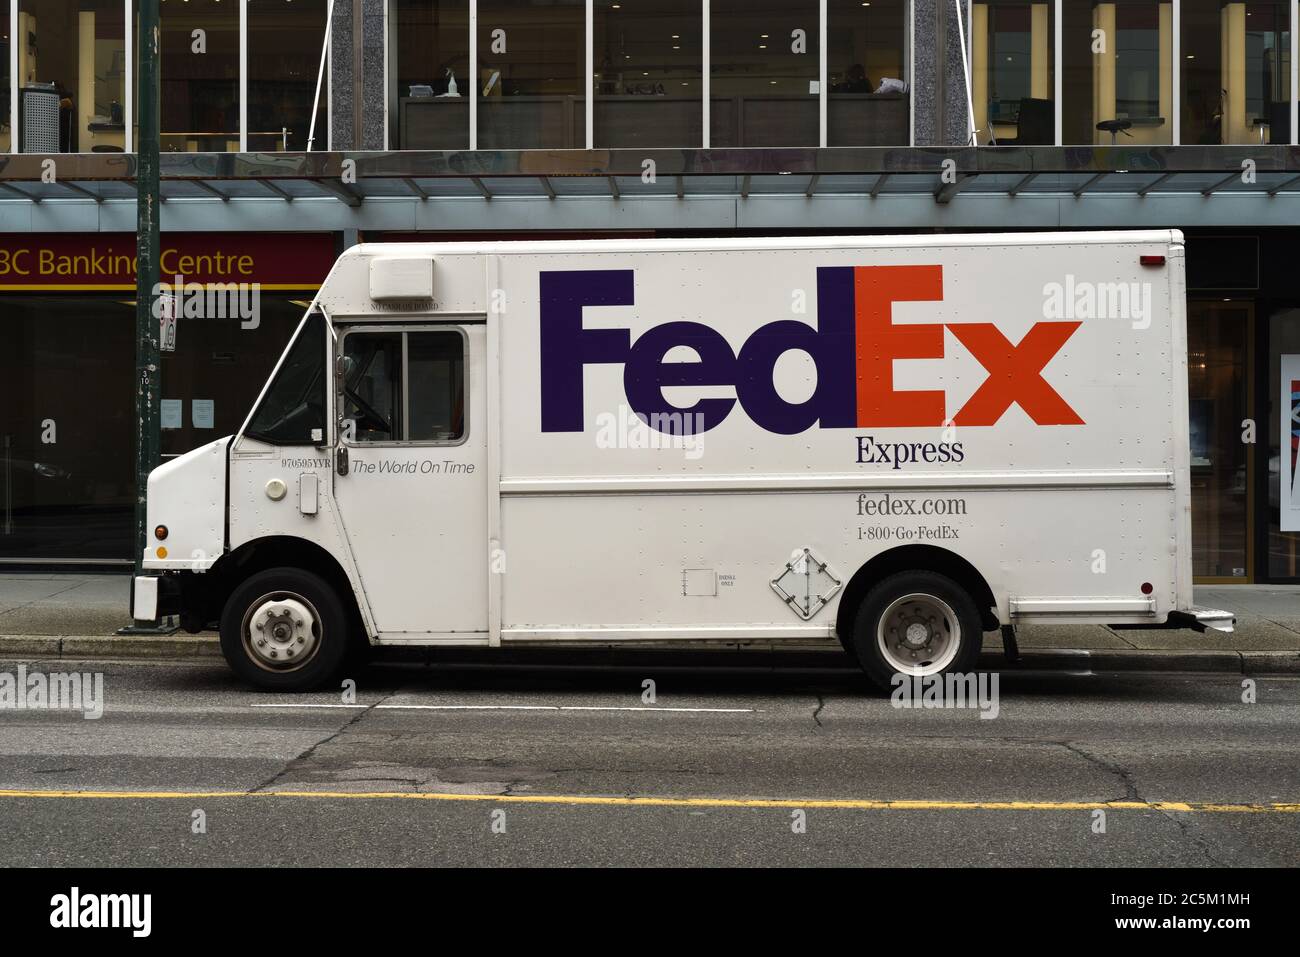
x=854, y=346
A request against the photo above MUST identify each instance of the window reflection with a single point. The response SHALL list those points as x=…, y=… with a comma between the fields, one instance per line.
x=1011, y=73
x=531, y=75
x=1118, y=72
x=200, y=90
x=649, y=66
x=284, y=46
x=1236, y=72
x=765, y=69
x=71, y=74
x=429, y=43
x=867, y=104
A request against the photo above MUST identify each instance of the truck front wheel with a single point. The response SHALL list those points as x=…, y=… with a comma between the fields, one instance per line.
x=918, y=624
x=284, y=629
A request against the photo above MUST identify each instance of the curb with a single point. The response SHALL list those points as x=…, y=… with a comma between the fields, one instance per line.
x=1032, y=659
x=1140, y=660
x=108, y=646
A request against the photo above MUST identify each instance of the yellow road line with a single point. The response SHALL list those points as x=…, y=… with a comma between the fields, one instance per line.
x=577, y=799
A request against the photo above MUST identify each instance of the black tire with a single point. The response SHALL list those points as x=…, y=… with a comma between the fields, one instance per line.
x=325, y=645
x=964, y=629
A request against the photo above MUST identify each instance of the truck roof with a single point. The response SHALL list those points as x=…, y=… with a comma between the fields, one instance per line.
x=924, y=240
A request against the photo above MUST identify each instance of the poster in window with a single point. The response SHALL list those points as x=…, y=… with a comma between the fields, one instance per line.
x=1289, y=499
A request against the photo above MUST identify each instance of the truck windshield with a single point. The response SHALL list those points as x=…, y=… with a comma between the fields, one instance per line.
x=293, y=410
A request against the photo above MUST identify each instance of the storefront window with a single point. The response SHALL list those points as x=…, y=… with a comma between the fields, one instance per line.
x=867, y=103
x=765, y=67
x=1217, y=349
x=200, y=76
x=532, y=65
x=1235, y=72
x=1118, y=72
x=1283, y=480
x=6, y=134
x=72, y=73
x=67, y=464
x=649, y=67
x=429, y=40
x=284, y=47
x=1011, y=73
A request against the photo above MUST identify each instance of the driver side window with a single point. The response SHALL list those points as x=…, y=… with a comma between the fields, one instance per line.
x=404, y=386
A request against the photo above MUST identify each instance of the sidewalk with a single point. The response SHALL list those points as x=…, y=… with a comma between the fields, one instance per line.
x=87, y=609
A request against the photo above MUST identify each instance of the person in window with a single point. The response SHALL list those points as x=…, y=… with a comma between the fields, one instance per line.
x=855, y=81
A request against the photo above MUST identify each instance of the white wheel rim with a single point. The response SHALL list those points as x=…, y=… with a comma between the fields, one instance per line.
x=918, y=634
x=281, y=631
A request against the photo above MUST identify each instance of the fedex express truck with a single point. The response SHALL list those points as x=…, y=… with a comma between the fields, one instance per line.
x=896, y=444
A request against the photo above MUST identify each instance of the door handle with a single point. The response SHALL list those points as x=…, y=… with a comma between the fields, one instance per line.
x=341, y=460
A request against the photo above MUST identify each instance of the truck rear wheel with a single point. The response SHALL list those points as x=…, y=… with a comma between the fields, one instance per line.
x=916, y=623
x=285, y=629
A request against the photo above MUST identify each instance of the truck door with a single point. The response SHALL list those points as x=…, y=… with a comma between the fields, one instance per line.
x=413, y=501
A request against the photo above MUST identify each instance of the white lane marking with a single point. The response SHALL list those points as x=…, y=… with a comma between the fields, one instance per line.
x=506, y=707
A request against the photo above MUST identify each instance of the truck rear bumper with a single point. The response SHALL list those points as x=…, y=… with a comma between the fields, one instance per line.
x=1204, y=619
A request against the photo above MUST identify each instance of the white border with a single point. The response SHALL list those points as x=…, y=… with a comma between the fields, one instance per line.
x=822, y=71
x=1176, y=99
x=706, y=78
x=589, y=108
x=472, y=79
x=1058, y=74
x=1295, y=69
x=243, y=75
x=13, y=76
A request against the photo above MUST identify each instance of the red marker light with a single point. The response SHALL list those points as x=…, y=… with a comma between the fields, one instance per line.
x=1147, y=588
x=1152, y=260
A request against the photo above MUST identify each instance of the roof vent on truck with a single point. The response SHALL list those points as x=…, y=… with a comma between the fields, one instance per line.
x=405, y=278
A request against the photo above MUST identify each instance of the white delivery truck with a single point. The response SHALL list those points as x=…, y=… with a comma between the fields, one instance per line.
x=896, y=443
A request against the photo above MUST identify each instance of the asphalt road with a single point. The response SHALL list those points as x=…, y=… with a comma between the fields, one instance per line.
x=529, y=765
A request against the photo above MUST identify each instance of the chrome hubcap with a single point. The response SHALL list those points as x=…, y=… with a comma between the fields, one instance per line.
x=919, y=634
x=281, y=631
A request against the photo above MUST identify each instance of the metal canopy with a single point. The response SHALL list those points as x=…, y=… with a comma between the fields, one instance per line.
x=921, y=186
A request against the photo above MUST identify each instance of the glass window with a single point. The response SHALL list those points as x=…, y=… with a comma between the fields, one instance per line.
x=380, y=404
x=1236, y=72
x=67, y=459
x=649, y=68
x=436, y=362
x=293, y=410
x=867, y=104
x=72, y=75
x=429, y=43
x=225, y=362
x=284, y=47
x=1011, y=64
x=532, y=67
x=765, y=67
x=1216, y=374
x=372, y=386
x=1117, y=72
x=6, y=135
x=200, y=76
x=1283, y=441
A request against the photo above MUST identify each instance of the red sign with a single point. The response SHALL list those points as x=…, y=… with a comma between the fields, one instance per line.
x=66, y=262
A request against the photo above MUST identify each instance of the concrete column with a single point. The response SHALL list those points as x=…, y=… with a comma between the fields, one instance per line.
x=357, y=47
x=939, y=90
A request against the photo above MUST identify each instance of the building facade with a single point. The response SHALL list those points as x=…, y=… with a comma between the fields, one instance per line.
x=284, y=142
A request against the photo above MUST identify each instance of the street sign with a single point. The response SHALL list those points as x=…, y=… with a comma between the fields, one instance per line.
x=167, y=323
